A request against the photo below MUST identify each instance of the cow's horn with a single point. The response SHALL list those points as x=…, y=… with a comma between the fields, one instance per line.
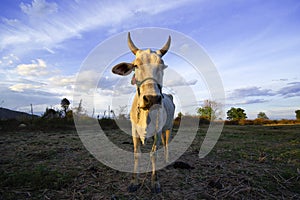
x=132, y=47
x=166, y=47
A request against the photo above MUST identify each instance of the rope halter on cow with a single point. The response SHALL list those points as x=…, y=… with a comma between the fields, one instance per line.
x=139, y=84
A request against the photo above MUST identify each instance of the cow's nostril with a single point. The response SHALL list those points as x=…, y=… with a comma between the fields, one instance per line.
x=159, y=100
x=150, y=100
x=146, y=99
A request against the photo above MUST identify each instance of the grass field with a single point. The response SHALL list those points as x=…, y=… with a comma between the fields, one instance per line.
x=248, y=162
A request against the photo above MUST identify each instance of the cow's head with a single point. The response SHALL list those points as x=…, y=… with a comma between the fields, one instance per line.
x=148, y=69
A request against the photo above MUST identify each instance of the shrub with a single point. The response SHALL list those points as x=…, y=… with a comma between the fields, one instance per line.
x=231, y=122
x=107, y=124
x=245, y=122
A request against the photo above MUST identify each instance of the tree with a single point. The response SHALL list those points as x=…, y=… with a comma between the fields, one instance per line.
x=206, y=112
x=236, y=114
x=262, y=115
x=179, y=115
x=122, y=112
x=297, y=114
x=65, y=103
x=50, y=113
x=210, y=110
x=80, y=111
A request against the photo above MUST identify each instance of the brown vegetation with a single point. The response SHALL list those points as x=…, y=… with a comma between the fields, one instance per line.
x=248, y=162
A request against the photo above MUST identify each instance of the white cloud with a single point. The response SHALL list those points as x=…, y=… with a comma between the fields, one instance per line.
x=21, y=87
x=38, y=77
x=49, y=24
x=87, y=80
x=180, y=82
x=62, y=80
x=9, y=60
x=36, y=68
x=39, y=8
x=49, y=50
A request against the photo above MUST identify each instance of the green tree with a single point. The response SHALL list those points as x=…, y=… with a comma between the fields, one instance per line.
x=210, y=110
x=297, y=114
x=262, y=115
x=236, y=114
x=206, y=112
x=179, y=115
x=65, y=103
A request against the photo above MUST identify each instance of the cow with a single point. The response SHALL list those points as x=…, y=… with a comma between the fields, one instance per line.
x=152, y=111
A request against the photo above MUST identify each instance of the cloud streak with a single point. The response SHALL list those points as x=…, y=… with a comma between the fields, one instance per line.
x=252, y=101
x=39, y=8
x=251, y=91
x=20, y=87
x=179, y=81
x=49, y=24
x=292, y=90
x=257, y=95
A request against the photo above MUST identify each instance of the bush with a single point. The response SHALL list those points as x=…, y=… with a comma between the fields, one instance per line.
x=287, y=121
x=108, y=124
x=176, y=122
x=260, y=121
x=10, y=124
x=231, y=122
x=191, y=119
x=204, y=120
x=53, y=124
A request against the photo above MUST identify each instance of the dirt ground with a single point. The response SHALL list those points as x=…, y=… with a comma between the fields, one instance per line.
x=248, y=162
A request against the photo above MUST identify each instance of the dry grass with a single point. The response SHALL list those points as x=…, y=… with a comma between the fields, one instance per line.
x=248, y=162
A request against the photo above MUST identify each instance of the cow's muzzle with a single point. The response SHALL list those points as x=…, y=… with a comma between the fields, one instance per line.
x=150, y=100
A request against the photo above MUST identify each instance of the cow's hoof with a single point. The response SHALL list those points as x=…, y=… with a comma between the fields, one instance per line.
x=156, y=189
x=133, y=187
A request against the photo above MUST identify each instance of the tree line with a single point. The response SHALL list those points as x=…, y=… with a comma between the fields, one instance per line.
x=212, y=111
x=209, y=111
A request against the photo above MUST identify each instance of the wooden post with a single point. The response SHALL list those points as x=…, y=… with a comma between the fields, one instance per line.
x=108, y=112
x=31, y=108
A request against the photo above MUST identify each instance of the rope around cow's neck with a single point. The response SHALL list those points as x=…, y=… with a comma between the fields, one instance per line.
x=156, y=130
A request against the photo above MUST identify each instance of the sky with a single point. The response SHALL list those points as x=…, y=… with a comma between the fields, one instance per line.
x=254, y=46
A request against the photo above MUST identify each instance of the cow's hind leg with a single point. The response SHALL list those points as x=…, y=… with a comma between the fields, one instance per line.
x=165, y=140
x=134, y=184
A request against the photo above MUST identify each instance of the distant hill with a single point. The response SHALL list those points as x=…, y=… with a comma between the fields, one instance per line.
x=12, y=114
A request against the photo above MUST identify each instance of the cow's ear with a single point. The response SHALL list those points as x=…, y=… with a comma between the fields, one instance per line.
x=123, y=69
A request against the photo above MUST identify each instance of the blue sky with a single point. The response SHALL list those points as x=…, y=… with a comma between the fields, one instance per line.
x=254, y=45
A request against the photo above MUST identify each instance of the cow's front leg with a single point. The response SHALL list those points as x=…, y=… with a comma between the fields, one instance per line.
x=134, y=184
x=154, y=179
